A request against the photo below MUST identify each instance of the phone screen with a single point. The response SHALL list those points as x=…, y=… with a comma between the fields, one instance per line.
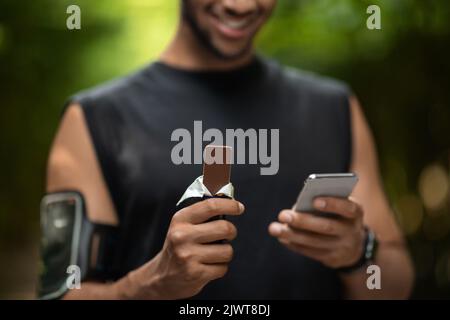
x=58, y=222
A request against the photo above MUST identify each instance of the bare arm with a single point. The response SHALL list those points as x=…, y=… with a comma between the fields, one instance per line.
x=338, y=243
x=72, y=165
x=392, y=257
x=188, y=259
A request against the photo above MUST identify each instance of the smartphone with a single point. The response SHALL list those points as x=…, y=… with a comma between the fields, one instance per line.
x=61, y=223
x=69, y=238
x=338, y=185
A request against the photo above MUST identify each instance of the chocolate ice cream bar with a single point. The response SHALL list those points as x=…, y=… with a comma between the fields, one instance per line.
x=215, y=181
x=216, y=167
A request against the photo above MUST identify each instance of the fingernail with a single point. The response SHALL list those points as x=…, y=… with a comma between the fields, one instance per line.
x=320, y=203
x=241, y=207
x=275, y=229
x=286, y=217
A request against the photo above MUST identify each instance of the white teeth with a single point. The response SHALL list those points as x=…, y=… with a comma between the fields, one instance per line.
x=233, y=24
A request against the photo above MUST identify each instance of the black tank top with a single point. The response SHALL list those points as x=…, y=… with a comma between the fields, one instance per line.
x=131, y=121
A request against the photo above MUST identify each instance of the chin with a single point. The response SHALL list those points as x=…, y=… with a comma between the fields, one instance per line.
x=231, y=52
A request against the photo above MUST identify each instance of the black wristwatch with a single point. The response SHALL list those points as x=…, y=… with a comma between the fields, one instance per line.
x=368, y=254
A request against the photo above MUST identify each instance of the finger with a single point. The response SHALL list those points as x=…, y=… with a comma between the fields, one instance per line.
x=313, y=253
x=214, y=230
x=206, y=209
x=313, y=240
x=214, y=253
x=344, y=207
x=313, y=223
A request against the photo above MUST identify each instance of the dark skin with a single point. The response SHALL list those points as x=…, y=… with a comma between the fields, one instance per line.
x=218, y=35
x=188, y=260
x=334, y=242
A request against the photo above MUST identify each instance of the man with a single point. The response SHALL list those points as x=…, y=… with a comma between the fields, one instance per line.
x=113, y=146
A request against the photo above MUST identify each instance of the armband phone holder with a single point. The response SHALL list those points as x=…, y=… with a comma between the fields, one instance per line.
x=70, y=242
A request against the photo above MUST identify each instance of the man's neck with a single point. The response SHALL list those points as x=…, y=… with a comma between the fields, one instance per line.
x=186, y=52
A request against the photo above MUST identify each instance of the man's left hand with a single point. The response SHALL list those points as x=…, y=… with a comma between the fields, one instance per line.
x=335, y=242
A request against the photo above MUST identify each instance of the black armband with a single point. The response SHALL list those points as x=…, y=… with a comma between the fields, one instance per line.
x=71, y=242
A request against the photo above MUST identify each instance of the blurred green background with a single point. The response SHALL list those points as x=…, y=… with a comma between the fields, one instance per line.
x=401, y=74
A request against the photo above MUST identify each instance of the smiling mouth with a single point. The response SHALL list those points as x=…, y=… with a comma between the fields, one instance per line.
x=233, y=26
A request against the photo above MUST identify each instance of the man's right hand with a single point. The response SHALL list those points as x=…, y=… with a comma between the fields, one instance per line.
x=189, y=258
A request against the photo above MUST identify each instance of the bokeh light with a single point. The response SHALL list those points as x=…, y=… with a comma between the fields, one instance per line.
x=434, y=187
x=409, y=212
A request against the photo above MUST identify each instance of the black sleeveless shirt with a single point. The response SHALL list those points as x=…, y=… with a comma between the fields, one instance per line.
x=131, y=121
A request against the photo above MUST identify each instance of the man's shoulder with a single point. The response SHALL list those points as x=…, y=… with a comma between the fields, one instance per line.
x=106, y=93
x=310, y=82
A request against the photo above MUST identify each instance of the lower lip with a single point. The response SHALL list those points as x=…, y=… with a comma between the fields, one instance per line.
x=231, y=33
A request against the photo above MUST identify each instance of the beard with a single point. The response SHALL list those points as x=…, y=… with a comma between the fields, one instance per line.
x=204, y=38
